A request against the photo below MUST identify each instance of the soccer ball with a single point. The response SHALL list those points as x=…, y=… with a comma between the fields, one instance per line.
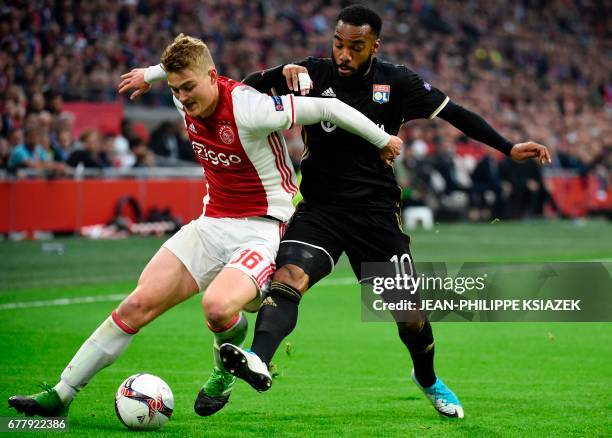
x=144, y=402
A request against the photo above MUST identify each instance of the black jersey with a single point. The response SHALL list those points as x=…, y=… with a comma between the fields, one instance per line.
x=340, y=169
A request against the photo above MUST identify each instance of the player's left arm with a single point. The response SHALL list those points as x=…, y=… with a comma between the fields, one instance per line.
x=312, y=110
x=260, y=114
x=422, y=100
x=476, y=127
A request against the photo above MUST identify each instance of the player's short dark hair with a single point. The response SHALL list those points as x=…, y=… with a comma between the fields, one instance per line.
x=359, y=15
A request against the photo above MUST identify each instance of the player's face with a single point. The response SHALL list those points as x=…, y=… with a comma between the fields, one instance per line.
x=353, y=48
x=197, y=91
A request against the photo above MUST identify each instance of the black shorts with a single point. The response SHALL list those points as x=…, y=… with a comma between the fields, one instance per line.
x=364, y=236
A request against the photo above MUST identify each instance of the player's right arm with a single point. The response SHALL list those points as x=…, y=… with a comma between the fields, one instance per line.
x=141, y=80
x=281, y=79
x=260, y=114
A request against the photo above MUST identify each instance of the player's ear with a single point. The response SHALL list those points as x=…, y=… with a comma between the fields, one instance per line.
x=376, y=46
x=213, y=75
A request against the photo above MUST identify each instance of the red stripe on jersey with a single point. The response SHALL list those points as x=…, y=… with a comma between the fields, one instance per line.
x=292, y=111
x=289, y=167
x=286, y=167
x=278, y=162
x=285, y=170
x=235, y=188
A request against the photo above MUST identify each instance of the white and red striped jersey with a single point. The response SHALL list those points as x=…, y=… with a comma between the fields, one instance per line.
x=243, y=154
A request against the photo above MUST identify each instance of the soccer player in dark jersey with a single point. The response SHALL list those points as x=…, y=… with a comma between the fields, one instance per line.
x=351, y=198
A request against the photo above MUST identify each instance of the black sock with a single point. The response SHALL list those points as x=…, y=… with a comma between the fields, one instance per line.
x=420, y=343
x=275, y=320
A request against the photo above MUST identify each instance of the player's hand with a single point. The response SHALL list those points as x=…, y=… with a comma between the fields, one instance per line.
x=134, y=80
x=391, y=150
x=297, y=78
x=530, y=149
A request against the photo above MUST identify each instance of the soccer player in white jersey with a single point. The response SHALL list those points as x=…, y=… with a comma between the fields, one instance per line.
x=229, y=251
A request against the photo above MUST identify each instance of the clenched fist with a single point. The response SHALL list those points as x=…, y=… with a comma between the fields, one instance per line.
x=297, y=78
x=391, y=150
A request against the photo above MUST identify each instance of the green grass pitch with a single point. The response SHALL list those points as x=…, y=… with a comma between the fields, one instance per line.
x=342, y=377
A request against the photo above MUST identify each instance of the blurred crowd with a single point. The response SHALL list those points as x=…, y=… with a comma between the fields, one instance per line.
x=44, y=141
x=535, y=69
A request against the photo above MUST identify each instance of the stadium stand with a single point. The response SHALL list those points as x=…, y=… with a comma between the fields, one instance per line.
x=534, y=69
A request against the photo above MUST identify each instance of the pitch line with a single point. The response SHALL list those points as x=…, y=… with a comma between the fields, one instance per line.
x=62, y=302
x=118, y=297
x=343, y=281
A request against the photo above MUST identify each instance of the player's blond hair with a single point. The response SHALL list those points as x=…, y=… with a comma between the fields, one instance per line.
x=187, y=52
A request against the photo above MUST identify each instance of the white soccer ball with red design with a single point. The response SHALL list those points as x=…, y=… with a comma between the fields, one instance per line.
x=144, y=402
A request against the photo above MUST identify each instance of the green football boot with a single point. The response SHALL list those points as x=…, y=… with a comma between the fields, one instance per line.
x=45, y=403
x=215, y=393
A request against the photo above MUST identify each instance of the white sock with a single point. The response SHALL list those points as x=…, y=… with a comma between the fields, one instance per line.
x=234, y=334
x=100, y=350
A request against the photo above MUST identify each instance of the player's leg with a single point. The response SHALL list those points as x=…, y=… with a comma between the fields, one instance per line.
x=308, y=252
x=301, y=266
x=378, y=237
x=276, y=319
x=222, y=303
x=416, y=333
x=164, y=283
x=238, y=286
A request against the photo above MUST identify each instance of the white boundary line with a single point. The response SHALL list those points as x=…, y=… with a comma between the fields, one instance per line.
x=118, y=297
x=343, y=281
x=62, y=302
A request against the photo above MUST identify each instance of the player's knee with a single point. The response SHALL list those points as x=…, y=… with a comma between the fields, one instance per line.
x=293, y=276
x=217, y=310
x=410, y=327
x=136, y=310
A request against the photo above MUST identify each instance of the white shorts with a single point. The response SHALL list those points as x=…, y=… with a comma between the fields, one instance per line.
x=207, y=245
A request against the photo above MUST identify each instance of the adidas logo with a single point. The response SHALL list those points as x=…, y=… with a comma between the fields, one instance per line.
x=192, y=128
x=328, y=93
x=268, y=302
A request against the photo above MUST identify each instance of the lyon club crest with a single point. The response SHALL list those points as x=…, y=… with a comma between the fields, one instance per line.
x=226, y=134
x=380, y=93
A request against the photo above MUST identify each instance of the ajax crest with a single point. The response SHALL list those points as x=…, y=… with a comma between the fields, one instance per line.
x=226, y=134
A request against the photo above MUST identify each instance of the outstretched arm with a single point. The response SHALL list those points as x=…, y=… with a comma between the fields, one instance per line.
x=292, y=76
x=260, y=115
x=474, y=126
x=421, y=100
x=141, y=80
x=311, y=110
